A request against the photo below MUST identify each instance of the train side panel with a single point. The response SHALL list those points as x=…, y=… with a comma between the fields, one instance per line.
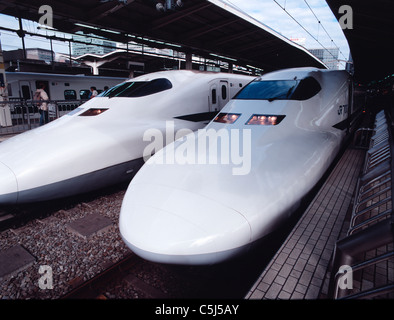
x=22, y=85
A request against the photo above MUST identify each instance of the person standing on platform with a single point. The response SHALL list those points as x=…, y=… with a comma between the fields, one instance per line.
x=43, y=107
x=93, y=92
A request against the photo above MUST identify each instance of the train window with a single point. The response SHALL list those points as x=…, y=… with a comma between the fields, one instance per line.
x=70, y=95
x=224, y=92
x=280, y=90
x=122, y=89
x=213, y=96
x=138, y=88
x=306, y=89
x=26, y=92
x=84, y=94
x=267, y=90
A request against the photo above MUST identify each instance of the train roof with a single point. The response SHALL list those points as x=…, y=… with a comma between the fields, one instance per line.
x=301, y=73
x=49, y=75
x=183, y=75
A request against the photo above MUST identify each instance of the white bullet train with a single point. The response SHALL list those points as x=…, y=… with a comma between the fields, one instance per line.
x=237, y=180
x=101, y=142
x=22, y=85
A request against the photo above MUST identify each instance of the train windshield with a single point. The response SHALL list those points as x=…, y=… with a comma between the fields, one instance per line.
x=135, y=89
x=280, y=90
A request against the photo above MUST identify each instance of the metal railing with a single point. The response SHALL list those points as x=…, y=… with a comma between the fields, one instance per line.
x=362, y=138
x=18, y=115
x=367, y=250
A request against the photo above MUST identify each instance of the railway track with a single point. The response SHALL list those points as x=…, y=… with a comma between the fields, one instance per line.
x=19, y=215
x=93, y=288
x=115, y=275
x=94, y=267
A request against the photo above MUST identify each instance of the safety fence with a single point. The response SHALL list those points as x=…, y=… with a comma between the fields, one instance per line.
x=18, y=115
x=363, y=263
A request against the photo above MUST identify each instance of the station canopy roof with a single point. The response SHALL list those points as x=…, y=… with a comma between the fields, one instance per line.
x=208, y=28
x=371, y=38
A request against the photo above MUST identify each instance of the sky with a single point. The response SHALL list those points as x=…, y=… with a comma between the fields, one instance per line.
x=269, y=12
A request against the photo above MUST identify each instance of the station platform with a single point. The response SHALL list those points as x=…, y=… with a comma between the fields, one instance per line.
x=300, y=268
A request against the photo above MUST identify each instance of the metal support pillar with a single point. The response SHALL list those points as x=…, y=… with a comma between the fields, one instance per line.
x=189, y=62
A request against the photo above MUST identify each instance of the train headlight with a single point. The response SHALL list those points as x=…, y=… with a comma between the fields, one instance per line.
x=93, y=112
x=226, y=117
x=265, y=120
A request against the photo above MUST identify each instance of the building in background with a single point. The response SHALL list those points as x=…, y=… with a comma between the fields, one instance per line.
x=329, y=56
x=38, y=54
x=91, y=45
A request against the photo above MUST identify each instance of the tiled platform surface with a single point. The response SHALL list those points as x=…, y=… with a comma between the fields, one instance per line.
x=299, y=268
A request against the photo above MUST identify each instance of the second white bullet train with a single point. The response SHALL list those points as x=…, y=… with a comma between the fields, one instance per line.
x=209, y=195
x=102, y=142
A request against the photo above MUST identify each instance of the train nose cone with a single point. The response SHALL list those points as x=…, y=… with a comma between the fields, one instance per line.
x=8, y=186
x=179, y=227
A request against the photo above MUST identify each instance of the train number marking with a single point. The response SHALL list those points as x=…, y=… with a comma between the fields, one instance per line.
x=342, y=109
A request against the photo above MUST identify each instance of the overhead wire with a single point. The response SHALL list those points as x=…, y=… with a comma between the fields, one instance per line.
x=295, y=20
x=304, y=28
x=321, y=24
x=309, y=33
